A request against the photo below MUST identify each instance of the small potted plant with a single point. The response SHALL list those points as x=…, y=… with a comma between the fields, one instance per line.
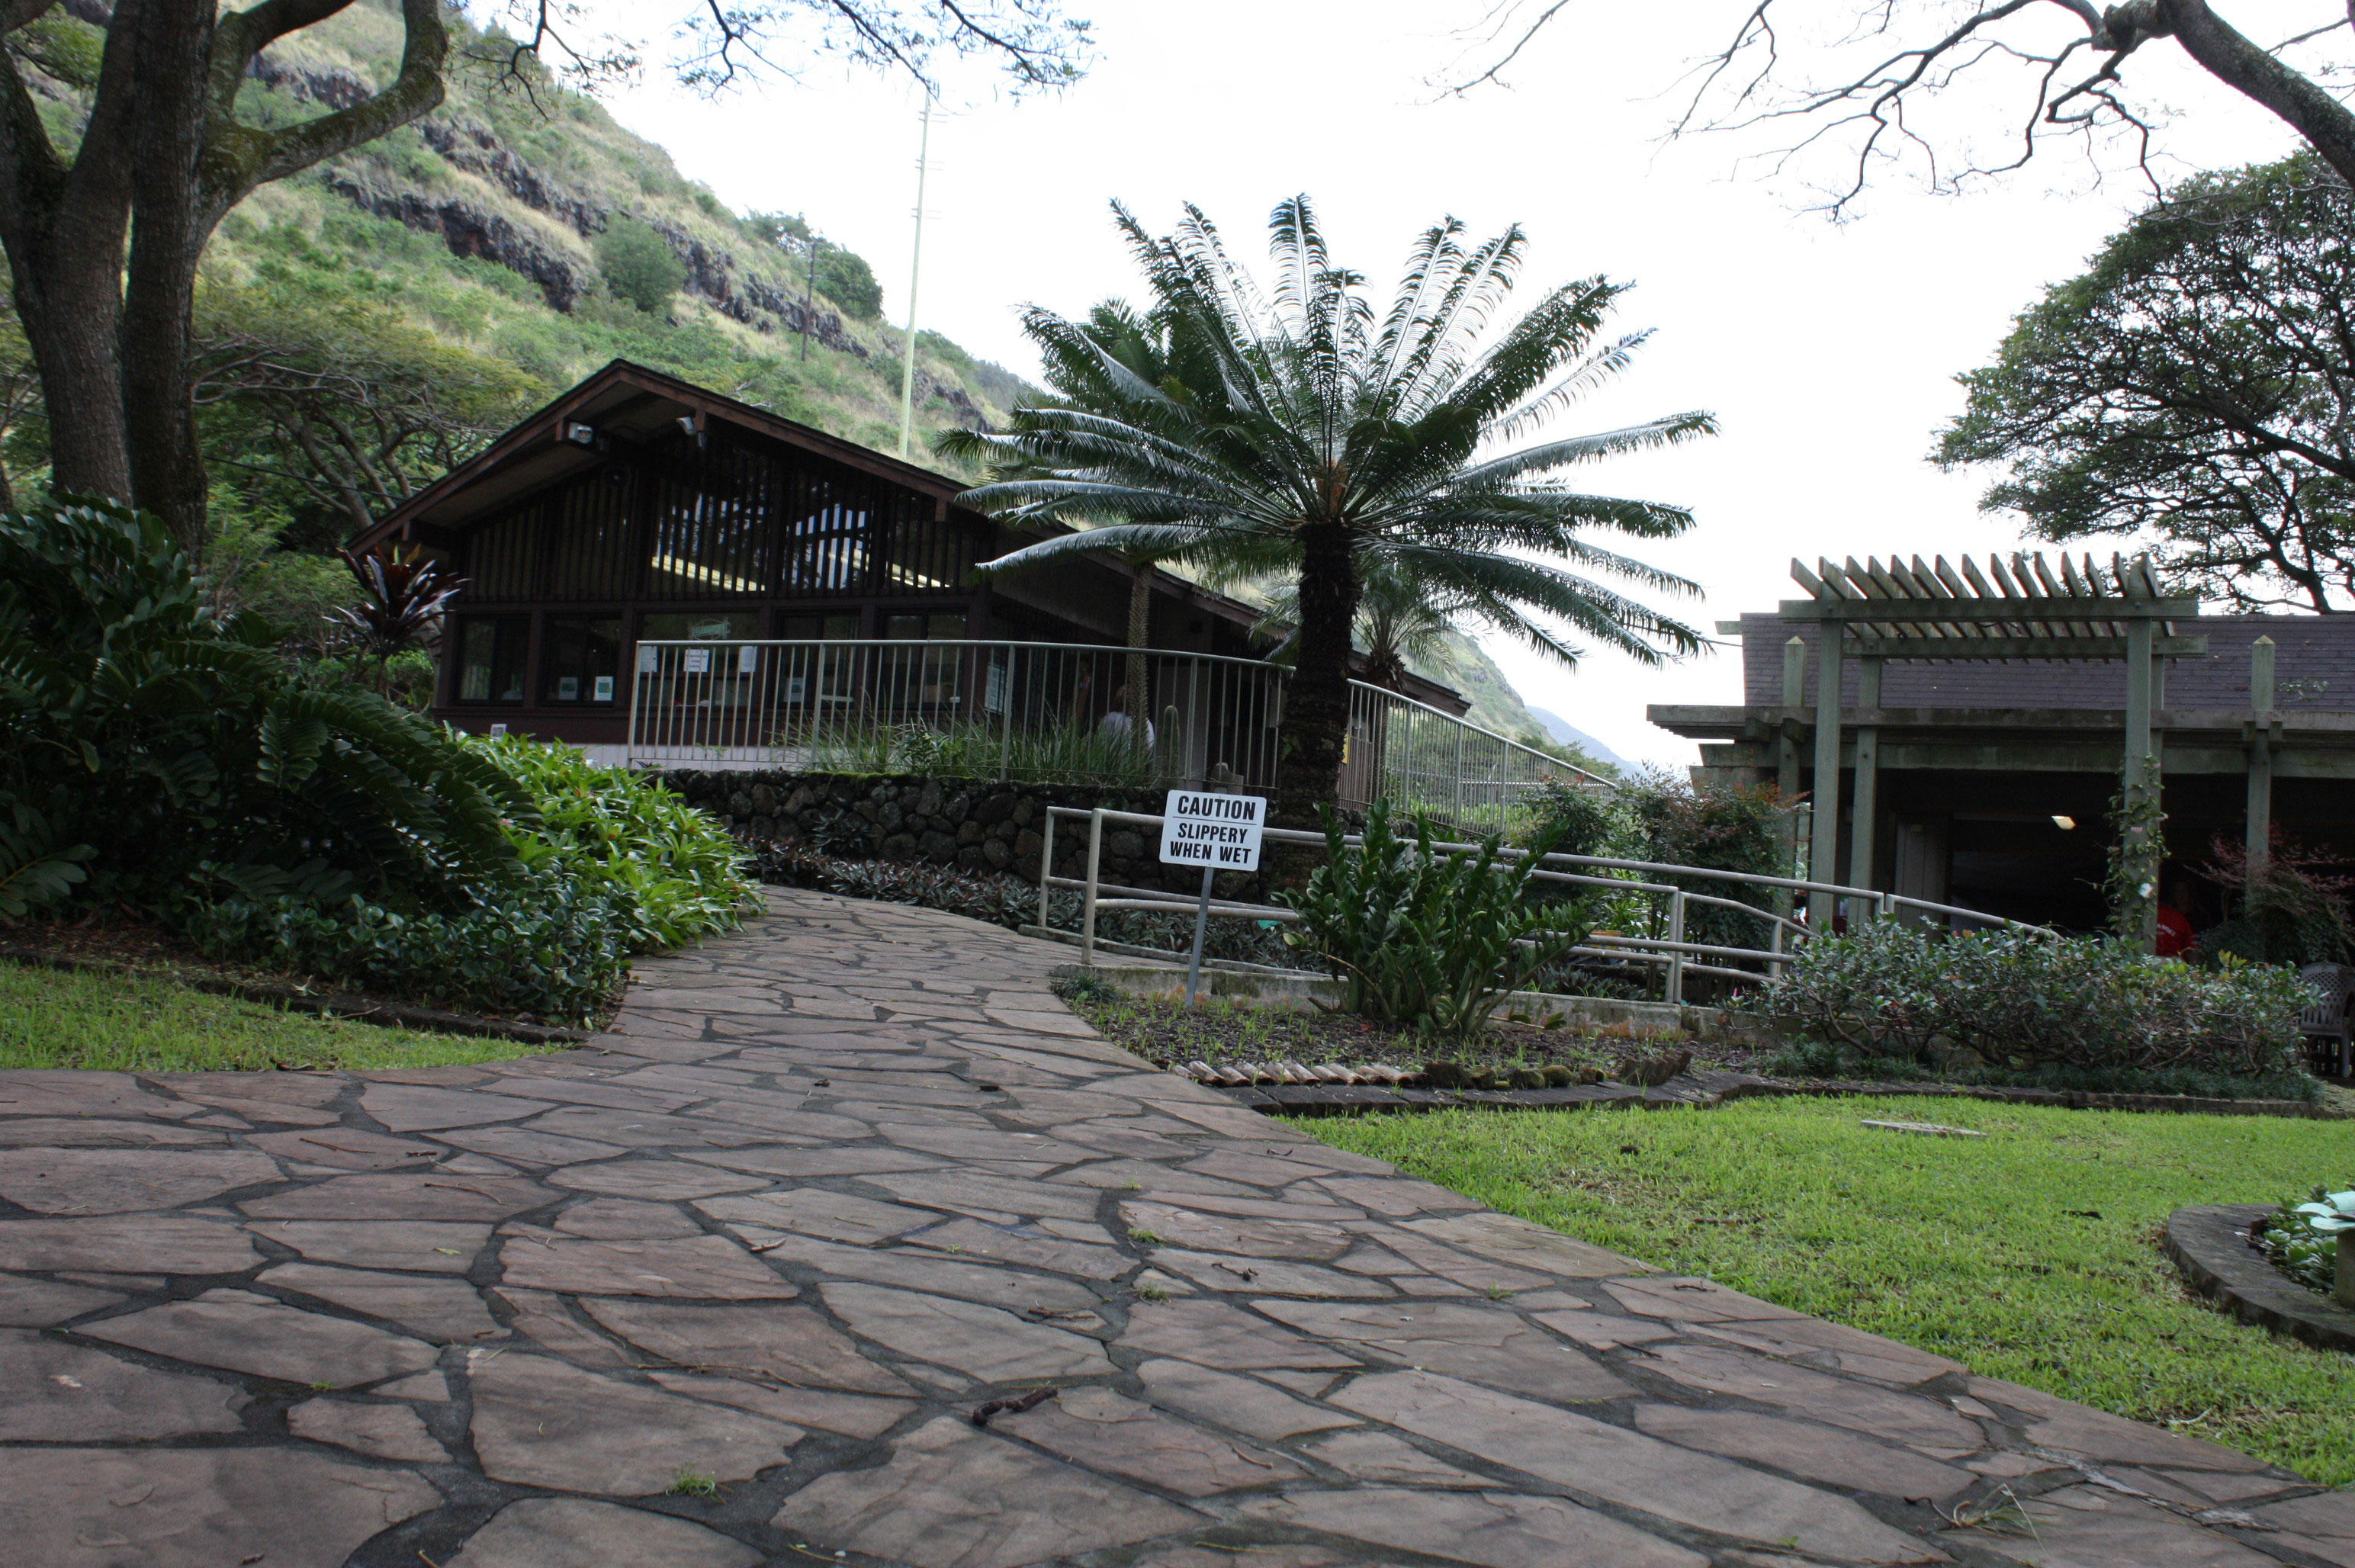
x=2333, y=1214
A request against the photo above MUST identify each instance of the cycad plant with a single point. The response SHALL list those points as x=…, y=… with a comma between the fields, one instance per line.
x=1400, y=623
x=1306, y=433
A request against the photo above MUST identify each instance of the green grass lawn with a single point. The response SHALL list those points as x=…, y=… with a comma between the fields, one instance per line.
x=62, y=1017
x=2032, y=1254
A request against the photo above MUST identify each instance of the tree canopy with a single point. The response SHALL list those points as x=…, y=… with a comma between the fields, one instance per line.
x=2196, y=387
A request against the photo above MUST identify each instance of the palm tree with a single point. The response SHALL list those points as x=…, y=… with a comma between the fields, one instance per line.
x=1301, y=433
x=1399, y=625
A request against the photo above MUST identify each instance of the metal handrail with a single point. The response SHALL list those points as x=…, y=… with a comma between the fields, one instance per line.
x=1673, y=951
x=1004, y=707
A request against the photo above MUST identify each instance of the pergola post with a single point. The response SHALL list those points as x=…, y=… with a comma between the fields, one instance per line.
x=2261, y=754
x=1786, y=759
x=1868, y=775
x=1823, y=861
x=2141, y=783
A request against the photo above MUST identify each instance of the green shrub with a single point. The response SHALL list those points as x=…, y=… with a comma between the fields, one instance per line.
x=180, y=750
x=608, y=827
x=1659, y=817
x=2021, y=1001
x=1427, y=940
x=544, y=947
x=638, y=264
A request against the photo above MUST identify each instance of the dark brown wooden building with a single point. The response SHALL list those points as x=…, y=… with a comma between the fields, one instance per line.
x=639, y=507
x=1986, y=764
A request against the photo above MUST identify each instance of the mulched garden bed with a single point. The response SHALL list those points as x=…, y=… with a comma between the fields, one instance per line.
x=1237, y=1036
x=1288, y=1060
x=136, y=946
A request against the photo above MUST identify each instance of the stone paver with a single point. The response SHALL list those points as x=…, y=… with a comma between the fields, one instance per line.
x=833, y=1185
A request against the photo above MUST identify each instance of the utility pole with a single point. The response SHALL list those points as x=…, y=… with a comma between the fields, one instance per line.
x=809, y=296
x=915, y=263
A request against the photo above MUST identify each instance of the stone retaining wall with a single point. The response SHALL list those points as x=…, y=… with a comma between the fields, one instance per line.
x=973, y=824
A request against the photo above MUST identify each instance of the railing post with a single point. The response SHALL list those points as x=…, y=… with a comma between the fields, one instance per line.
x=1775, y=967
x=1047, y=869
x=1087, y=896
x=638, y=689
x=1676, y=983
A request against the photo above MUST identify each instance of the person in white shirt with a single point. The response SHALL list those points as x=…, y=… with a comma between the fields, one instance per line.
x=1116, y=723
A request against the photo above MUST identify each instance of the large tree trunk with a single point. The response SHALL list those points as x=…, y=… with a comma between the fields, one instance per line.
x=1316, y=705
x=62, y=226
x=1140, y=639
x=167, y=236
x=162, y=159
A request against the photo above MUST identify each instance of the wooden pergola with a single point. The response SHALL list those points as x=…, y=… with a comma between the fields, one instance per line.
x=1939, y=611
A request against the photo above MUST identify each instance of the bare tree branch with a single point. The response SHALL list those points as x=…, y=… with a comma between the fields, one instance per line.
x=1870, y=112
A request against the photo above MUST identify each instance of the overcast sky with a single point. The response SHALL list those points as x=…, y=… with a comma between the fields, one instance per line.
x=1829, y=353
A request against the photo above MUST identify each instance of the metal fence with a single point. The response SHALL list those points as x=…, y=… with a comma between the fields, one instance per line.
x=1436, y=765
x=1030, y=712
x=1053, y=713
x=1668, y=911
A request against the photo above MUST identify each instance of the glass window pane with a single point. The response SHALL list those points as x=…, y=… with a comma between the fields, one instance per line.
x=491, y=658
x=584, y=657
x=721, y=626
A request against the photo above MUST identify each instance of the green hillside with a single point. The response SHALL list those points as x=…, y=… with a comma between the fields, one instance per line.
x=502, y=224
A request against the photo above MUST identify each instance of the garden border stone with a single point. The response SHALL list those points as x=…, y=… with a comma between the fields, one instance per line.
x=340, y=1004
x=2210, y=1243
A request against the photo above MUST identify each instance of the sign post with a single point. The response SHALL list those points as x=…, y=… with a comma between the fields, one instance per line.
x=1217, y=832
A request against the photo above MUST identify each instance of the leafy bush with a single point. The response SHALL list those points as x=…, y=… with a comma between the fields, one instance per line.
x=607, y=828
x=638, y=264
x=2020, y=1001
x=1428, y=940
x=545, y=945
x=1669, y=821
x=181, y=752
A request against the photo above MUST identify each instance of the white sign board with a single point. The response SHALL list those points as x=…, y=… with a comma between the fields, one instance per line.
x=1219, y=832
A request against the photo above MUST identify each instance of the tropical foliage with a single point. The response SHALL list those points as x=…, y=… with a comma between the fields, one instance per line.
x=186, y=755
x=1429, y=940
x=1308, y=432
x=159, y=757
x=610, y=828
x=2193, y=388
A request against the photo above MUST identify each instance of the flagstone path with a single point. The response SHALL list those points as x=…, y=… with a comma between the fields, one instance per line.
x=742, y=1283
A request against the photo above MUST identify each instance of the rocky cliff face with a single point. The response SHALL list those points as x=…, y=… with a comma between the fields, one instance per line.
x=715, y=276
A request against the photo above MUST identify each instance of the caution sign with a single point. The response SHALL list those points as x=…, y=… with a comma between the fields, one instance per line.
x=1216, y=832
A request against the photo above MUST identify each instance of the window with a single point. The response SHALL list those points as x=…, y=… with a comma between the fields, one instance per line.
x=582, y=659
x=824, y=676
x=809, y=628
x=928, y=678
x=721, y=675
x=924, y=555
x=491, y=658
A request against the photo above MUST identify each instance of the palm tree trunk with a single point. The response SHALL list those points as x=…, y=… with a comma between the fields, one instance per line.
x=1140, y=639
x=1316, y=706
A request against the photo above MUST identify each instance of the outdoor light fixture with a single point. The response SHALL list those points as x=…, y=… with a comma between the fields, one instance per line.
x=2064, y=823
x=581, y=434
